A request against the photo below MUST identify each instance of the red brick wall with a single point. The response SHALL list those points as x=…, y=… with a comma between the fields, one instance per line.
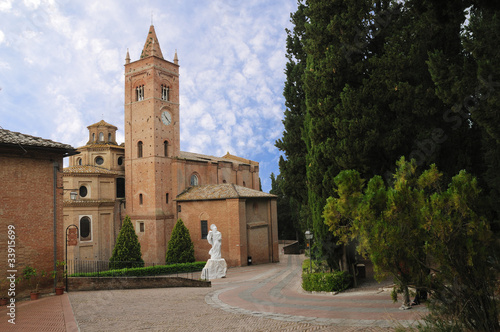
x=26, y=201
x=248, y=227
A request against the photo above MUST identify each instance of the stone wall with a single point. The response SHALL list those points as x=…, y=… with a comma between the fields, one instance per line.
x=109, y=283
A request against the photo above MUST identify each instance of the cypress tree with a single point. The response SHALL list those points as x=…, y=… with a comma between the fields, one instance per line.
x=180, y=247
x=127, y=251
x=292, y=191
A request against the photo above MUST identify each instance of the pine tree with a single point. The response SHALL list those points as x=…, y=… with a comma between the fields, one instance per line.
x=180, y=247
x=127, y=251
x=417, y=226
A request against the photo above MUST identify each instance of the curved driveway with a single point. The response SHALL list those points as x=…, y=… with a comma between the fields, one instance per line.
x=274, y=291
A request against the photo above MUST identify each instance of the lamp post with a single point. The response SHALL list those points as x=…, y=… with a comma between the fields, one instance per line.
x=309, y=237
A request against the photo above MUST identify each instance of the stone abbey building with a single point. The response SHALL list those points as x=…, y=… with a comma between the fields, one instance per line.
x=150, y=179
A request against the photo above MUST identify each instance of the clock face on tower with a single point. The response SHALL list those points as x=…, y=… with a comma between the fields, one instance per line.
x=166, y=117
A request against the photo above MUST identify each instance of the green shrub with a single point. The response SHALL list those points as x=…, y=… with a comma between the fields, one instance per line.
x=146, y=271
x=326, y=282
x=127, y=251
x=180, y=247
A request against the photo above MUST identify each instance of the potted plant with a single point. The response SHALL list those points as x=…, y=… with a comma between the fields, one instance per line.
x=33, y=278
x=59, y=274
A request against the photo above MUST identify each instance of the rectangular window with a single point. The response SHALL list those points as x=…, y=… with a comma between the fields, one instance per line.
x=141, y=227
x=166, y=198
x=204, y=229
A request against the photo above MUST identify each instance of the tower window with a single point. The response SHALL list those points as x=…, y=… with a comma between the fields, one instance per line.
x=165, y=148
x=165, y=92
x=93, y=137
x=140, y=199
x=194, y=180
x=85, y=229
x=139, y=149
x=79, y=161
x=139, y=93
x=109, y=137
x=120, y=161
x=141, y=227
x=99, y=161
x=166, y=198
x=101, y=137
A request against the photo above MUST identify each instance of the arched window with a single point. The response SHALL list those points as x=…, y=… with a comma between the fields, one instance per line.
x=194, y=180
x=165, y=92
x=165, y=148
x=139, y=149
x=101, y=137
x=79, y=161
x=120, y=187
x=93, y=137
x=85, y=228
x=139, y=93
x=109, y=137
x=120, y=161
x=140, y=199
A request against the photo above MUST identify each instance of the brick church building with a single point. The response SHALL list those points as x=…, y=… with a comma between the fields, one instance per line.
x=150, y=179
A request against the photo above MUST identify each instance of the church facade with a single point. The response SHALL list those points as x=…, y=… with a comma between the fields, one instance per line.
x=160, y=183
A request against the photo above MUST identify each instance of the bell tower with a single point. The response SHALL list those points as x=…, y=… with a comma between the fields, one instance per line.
x=152, y=141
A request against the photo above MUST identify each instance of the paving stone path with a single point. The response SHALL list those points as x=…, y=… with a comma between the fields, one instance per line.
x=255, y=298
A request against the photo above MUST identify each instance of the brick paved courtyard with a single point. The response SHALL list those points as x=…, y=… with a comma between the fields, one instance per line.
x=254, y=298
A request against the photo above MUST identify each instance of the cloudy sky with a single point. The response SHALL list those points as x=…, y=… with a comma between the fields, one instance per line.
x=61, y=69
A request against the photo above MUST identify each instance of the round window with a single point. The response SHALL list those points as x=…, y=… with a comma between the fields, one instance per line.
x=83, y=191
x=120, y=161
x=99, y=160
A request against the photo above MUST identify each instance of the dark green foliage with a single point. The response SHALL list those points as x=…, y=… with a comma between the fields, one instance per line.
x=292, y=177
x=326, y=282
x=127, y=251
x=146, y=271
x=288, y=219
x=180, y=247
x=423, y=235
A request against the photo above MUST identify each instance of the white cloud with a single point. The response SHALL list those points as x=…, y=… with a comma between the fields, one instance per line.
x=68, y=64
x=5, y=5
x=32, y=4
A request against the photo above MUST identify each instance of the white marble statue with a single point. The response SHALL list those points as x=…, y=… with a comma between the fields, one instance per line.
x=214, y=237
x=216, y=266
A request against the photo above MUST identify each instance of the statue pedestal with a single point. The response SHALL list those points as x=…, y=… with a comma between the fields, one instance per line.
x=214, y=269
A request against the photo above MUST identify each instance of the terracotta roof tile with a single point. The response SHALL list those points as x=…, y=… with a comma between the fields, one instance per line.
x=207, y=158
x=88, y=169
x=11, y=137
x=220, y=191
x=102, y=123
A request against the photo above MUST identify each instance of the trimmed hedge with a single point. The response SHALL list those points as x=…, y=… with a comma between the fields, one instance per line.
x=146, y=271
x=326, y=282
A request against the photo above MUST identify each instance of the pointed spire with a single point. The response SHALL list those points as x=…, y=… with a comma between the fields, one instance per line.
x=151, y=47
x=127, y=58
x=176, y=59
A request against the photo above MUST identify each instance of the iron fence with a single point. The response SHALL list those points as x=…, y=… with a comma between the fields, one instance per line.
x=99, y=268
